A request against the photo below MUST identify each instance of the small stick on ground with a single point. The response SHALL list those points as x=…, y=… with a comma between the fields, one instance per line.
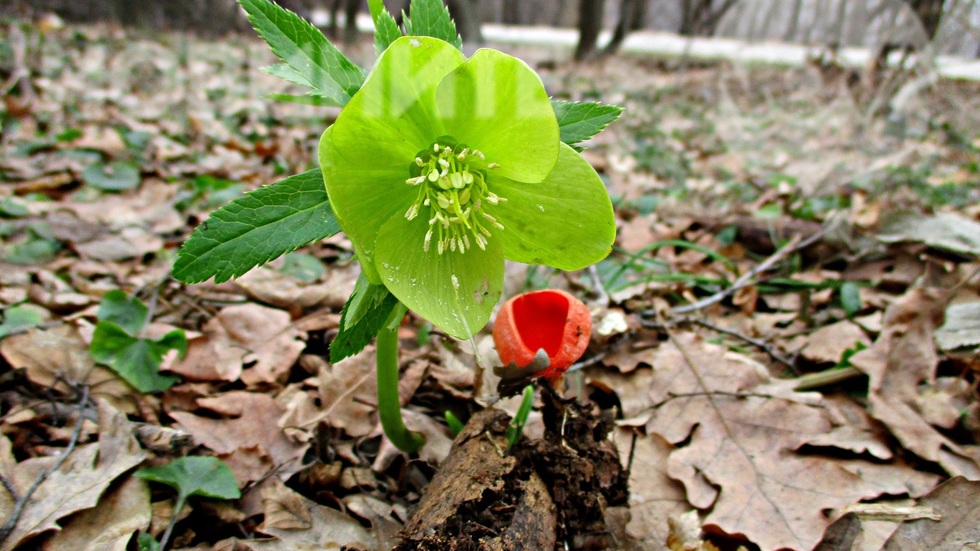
x=747, y=278
x=22, y=500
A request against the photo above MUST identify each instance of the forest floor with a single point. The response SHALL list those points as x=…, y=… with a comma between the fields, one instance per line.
x=786, y=333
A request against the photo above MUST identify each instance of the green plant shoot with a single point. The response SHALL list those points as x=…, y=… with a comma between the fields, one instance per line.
x=192, y=476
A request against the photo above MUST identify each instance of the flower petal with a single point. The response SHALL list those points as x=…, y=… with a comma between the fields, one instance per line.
x=497, y=104
x=390, y=116
x=455, y=291
x=566, y=221
x=363, y=197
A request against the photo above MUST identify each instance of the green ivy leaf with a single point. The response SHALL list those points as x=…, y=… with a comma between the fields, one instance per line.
x=118, y=176
x=128, y=313
x=850, y=298
x=314, y=61
x=195, y=476
x=136, y=360
x=579, y=121
x=145, y=542
x=363, y=316
x=254, y=229
x=386, y=28
x=431, y=18
x=302, y=266
x=19, y=317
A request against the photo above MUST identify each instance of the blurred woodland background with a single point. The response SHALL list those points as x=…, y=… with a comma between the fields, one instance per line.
x=949, y=26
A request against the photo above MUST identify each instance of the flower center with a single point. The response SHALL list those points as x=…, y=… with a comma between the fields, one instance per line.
x=452, y=184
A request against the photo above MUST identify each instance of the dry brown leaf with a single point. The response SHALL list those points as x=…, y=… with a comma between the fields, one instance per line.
x=239, y=335
x=901, y=365
x=653, y=495
x=277, y=289
x=828, y=344
x=958, y=501
x=80, y=481
x=51, y=356
x=300, y=524
x=348, y=392
x=735, y=454
x=249, y=425
x=109, y=526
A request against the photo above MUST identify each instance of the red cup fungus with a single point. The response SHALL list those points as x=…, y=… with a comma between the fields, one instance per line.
x=549, y=320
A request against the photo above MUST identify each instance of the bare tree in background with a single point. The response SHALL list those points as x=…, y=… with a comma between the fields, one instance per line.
x=701, y=17
x=589, y=25
x=632, y=13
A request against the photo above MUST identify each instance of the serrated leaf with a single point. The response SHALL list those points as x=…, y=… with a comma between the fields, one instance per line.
x=127, y=313
x=579, y=121
x=308, y=99
x=431, y=18
x=195, y=476
x=386, y=28
x=263, y=225
x=136, y=360
x=314, y=60
x=363, y=316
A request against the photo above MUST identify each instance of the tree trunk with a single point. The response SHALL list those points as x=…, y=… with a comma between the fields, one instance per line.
x=467, y=16
x=631, y=16
x=512, y=12
x=700, y=17
x=589, y=25
x=929, y=13
x=794, y=21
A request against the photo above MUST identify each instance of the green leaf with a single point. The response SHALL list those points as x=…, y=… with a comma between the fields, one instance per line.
x=579, y=121
x=19, y=317
x=363, y=316
x=497, y=104
x=455, y=291
x=195, y=476
x=127, y=313
x=305, y=267
x=566, y=221
x=136, y=360
x=34, y=250
x=13, y=207
x=308, y=99
x=145, y=542
x=118, y=176
x=516, y=426
x=431, y=18
x=315, y=61
x=386, y=28
x=253, y=230
x=850, y=298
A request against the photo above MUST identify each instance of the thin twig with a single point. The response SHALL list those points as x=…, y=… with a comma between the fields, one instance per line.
x=746, y=279
x=8, y=528
x=597, y=286
x=758, y=343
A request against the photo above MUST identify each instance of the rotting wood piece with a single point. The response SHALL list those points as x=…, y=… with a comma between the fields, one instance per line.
x=555, y=493
x=481, y=498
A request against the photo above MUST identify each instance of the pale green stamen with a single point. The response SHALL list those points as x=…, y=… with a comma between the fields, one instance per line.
x=455, y=193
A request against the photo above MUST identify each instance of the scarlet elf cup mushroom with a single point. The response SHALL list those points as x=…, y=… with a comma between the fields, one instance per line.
x=550, y=320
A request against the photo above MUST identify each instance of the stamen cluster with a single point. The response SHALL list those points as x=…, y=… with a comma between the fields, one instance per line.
x=452, y=185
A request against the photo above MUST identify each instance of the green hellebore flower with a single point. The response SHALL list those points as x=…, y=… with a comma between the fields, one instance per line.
x=440, y=167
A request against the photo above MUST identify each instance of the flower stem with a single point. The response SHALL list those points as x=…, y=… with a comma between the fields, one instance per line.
x=389, y=407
